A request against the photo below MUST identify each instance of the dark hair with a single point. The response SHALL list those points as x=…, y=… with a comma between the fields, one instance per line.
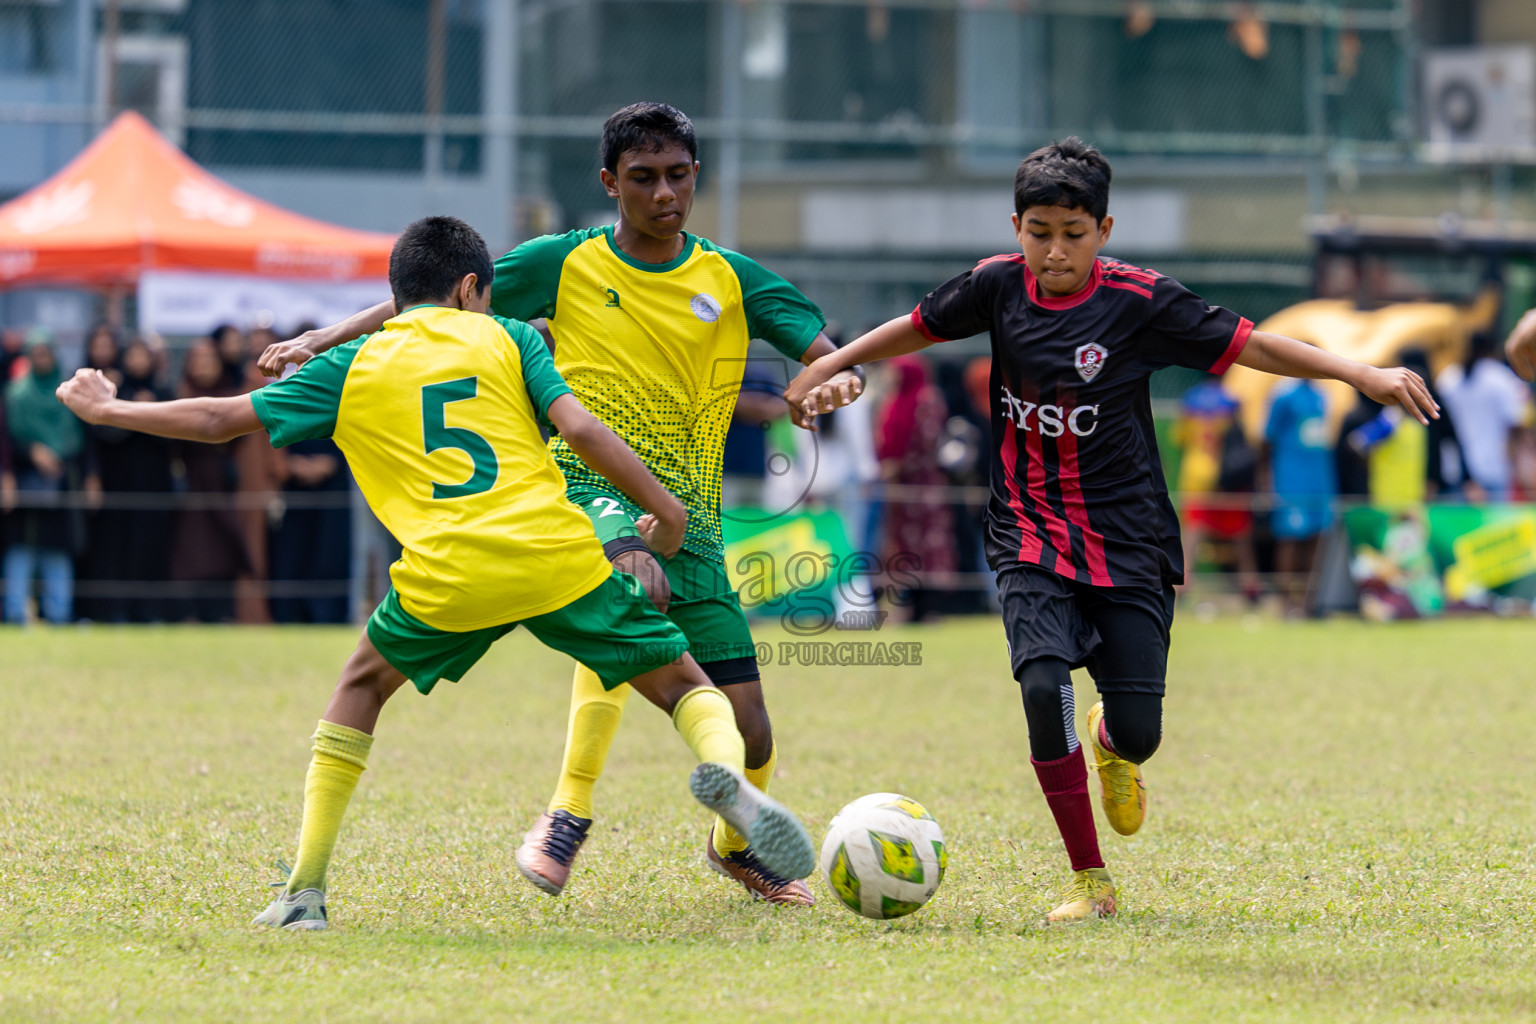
x=1483, y=345
x=648, y=128
x=1068, y=173
x=432, y=255
x=1417, y=360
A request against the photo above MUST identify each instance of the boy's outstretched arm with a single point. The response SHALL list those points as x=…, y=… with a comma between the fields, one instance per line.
x=92, y=397
x=806, y=395
x=842, y=388
x=306, y=346
x=1275, y=353
x=608, y=456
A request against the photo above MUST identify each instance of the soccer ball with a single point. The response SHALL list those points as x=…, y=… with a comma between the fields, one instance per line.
x=883, y=856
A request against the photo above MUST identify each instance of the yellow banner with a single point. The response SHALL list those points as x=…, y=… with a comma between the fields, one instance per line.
x=1492, y=555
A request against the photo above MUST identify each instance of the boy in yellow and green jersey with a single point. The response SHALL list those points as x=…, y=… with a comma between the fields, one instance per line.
x=439, y=415
x=650, y=327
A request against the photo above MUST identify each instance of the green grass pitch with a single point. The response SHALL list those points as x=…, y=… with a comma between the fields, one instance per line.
x=1341, y=830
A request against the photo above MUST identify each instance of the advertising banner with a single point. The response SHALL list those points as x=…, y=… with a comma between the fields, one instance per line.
x=797, y=567
x=187, y=302
x=1423, y=560
x=799, y=571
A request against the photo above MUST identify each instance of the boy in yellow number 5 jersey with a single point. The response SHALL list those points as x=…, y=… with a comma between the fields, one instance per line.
x=650, y=326
x=438, y=415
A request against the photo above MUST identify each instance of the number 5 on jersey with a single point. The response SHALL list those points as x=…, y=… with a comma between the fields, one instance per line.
x=437, y=435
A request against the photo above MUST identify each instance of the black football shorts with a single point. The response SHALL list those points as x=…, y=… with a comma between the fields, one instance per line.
x=1120, y=634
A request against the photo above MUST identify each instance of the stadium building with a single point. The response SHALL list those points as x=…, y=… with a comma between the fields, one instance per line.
x=863, y=148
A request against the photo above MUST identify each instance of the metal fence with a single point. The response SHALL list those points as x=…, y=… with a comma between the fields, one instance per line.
x=323, y=558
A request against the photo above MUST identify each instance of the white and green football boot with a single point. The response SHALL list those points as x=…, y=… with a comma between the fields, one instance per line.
x=296, y=911
x=302, y=911
x=773, y=832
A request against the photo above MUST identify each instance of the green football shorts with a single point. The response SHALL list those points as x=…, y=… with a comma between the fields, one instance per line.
x=704, y=604
x=613, y=629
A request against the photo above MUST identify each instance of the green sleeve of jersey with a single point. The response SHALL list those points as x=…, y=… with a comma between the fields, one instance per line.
x=527, y=280
x=776, y=311
x=303, y=407
x=540, y=377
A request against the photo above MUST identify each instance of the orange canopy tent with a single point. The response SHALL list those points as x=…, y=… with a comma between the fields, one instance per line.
x=131, y=202
x=133, y=211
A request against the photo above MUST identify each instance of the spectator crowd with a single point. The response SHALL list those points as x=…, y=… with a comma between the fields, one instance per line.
x=1279, y=491
x=113, y=526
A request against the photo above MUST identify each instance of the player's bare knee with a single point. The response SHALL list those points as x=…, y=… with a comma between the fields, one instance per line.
x=371, y=677
x=667, y=685
x=644, y=567
x=380, y=685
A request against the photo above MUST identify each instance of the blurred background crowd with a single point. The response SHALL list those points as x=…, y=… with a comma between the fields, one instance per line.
x=115, y=526
x=107, y=525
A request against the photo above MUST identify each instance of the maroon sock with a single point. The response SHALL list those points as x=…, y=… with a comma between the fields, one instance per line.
x=1065, y=783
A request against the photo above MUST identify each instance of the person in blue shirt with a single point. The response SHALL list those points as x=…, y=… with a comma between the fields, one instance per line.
x=1303, y=479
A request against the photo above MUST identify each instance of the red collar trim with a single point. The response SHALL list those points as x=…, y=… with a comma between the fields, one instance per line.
x=1077, y=298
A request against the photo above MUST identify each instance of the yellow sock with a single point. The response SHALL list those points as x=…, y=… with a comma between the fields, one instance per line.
x=595, y=716
x=340, y=755
x=707, y=723
x=727, y=839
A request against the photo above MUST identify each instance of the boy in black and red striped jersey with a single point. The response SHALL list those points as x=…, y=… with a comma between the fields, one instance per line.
x=1079, y=526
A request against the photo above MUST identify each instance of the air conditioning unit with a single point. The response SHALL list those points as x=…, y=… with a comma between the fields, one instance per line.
x=1480, y=103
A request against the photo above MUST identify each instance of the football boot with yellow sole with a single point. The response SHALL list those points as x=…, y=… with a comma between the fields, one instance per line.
x=1090, y=895
x=1122, y=793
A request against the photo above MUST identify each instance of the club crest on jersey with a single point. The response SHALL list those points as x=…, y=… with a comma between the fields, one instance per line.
x=705, y=306
x=1090, y=360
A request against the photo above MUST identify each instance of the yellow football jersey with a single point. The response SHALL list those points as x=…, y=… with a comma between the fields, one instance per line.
x=655, y=351
x=438, y=416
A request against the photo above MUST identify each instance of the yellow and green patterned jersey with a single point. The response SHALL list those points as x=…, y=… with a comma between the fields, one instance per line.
x=655, y=350
x=438, y=414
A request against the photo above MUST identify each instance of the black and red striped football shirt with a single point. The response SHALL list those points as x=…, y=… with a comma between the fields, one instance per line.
x=1077, y=485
